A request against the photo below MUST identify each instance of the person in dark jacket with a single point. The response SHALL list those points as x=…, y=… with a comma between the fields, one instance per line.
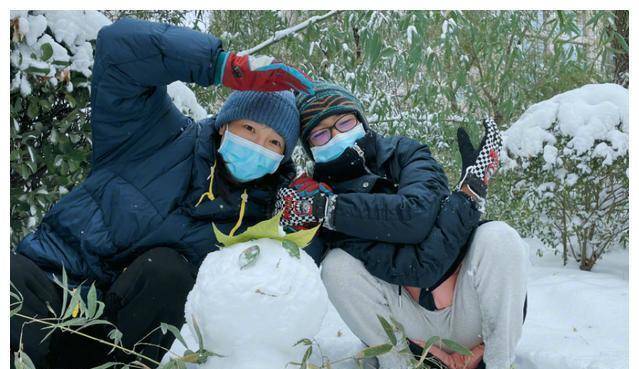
x=398, y=243
x=139, y=225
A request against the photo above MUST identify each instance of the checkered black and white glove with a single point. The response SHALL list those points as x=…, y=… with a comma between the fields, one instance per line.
x=300, y=212
x=481, y=163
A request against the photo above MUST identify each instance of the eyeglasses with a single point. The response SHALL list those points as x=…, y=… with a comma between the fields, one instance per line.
x=322, y=136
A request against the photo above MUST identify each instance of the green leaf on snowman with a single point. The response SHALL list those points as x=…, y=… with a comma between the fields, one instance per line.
x=249, y=256
x=269, y=228
x=292, y=248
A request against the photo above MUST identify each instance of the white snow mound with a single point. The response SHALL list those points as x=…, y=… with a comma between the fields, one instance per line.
x=253, y=316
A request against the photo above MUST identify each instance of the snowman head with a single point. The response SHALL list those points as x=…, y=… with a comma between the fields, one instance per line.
x=258, y=295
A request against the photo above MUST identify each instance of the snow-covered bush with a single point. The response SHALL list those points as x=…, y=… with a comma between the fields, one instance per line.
x=51, y=61
x=570, y=154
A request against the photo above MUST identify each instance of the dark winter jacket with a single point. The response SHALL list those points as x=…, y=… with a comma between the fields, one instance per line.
x=150, y=163
x=400, y=218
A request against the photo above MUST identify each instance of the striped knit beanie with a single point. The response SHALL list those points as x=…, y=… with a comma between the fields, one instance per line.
x=328, y=99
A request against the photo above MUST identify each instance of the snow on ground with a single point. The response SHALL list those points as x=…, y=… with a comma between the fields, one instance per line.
x=575, y=319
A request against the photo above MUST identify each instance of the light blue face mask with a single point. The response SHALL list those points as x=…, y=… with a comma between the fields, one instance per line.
x=336, y=146
x=247, y=160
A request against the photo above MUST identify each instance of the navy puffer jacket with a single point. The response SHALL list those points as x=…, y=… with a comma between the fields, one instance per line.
x=400, y=218
x=150, y=163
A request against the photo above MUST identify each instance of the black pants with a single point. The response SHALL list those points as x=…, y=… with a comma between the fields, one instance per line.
x=150, y=291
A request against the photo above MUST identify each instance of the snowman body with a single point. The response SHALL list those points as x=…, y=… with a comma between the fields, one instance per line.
x=253, y=311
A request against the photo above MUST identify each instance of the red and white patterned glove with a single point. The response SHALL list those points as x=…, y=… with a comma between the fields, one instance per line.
x=259, y=73
x=303, y=203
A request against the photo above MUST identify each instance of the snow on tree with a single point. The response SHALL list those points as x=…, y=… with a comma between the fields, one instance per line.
x=572, y=153
x=51, y=60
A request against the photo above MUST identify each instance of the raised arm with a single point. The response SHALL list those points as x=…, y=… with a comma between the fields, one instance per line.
x=136, y=59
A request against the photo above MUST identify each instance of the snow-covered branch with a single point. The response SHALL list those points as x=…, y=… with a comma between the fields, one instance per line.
x=289, y=31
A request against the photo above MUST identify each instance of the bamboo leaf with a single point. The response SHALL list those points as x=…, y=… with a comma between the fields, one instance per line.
x=429, y=343
x=305, y=341
x=249, y=256
x=92, y=304
x=291, y=248
x=198, y=333
x=388, y=329
x=164, y=327
x=105, y=366
x=47, y=51
x=374, y=351
x=456, y=347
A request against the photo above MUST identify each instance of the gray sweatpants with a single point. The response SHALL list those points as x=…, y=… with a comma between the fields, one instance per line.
x=487, y=304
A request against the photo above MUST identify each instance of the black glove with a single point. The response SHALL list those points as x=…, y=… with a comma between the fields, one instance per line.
x=479, y=165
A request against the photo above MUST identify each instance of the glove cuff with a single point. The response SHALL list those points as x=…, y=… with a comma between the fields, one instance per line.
x=220, y=65
x=329, y=212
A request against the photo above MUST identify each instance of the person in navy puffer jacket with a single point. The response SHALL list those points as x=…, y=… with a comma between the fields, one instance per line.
x=139, y=225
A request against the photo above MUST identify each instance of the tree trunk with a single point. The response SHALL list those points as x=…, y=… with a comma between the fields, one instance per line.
x=620, y=56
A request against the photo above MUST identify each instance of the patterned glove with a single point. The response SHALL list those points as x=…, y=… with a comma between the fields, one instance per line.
x=308, y=187
x=259, y=73
x=299, y=212
x=479, y=165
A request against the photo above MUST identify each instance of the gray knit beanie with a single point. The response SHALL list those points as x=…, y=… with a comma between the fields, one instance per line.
x=274, y=109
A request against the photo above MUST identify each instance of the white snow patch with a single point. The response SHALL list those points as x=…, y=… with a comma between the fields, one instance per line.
x=184, y=98
x=586, y=116
x=576, y=319
x=409, y=33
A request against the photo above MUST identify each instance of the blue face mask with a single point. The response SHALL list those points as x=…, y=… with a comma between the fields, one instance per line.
x=336, y=146
x=247, y=160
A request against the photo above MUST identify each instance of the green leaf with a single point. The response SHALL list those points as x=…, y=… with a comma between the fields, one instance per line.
x=61, y=63
x=164, y=327
x=374, y=351
x=75, y=300
x=47, y=51
x=38, y=71
x=249, y=256
x=269, y=228
x=456, y=347
x=388, y=329
x=92, y=301
x=23, y=361
x=33, y=109
x=292, y=248
x=305, y=341
x=116, y=336
x=198, y=333
x=105, y=366
x=307, y=355
x=427, y=345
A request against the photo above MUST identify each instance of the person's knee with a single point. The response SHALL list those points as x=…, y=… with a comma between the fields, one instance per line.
x=166, y=267
x=338, y=268
x=498, y=239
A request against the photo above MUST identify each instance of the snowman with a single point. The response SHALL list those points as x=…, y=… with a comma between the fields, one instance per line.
x=254, y=299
